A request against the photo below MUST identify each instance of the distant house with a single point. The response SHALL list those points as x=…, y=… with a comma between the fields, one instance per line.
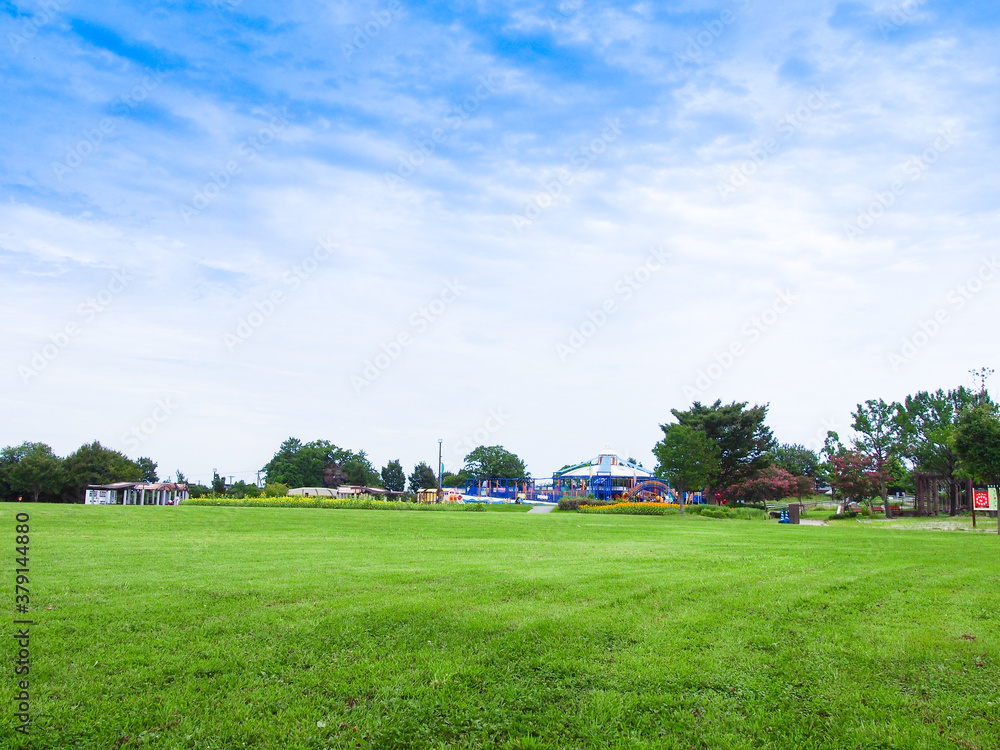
x=136, y=493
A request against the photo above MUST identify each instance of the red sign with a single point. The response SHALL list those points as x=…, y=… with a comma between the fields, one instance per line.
x=981, y=499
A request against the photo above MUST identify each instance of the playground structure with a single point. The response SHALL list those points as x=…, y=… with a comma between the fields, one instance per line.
x=651, y=491
x=605, y=477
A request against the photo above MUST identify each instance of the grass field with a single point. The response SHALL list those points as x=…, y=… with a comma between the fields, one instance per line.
x=204, y=627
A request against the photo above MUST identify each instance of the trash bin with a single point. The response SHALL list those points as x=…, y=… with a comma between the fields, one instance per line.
x=793, y=513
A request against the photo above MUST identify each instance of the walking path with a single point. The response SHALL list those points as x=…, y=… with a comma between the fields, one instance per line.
x=542, y=509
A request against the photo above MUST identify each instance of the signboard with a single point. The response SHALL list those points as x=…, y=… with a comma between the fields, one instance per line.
x=981, y=500
x=992, y=498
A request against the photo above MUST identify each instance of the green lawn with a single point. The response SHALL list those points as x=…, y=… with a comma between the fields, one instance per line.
x=214, y=627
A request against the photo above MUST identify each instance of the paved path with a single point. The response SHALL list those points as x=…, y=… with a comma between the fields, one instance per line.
x=542, y=509
x=812, y=522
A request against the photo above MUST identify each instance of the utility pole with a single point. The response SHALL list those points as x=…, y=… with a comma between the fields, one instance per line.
x=440, y=470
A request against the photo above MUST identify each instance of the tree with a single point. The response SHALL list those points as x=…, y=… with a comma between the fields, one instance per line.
x=358, y=470
x=275, y=489
x=242, y=489
x=852, y=474
x=451, y=479
x=423, y=478
x=148, y=467
x=770, y=483
x=494, y=462
x=319, y=463
x=879, y=429
x=977, y=443
x=218, y=484
x=95, y=464
x=739, y=433
x=31, y=469
x=393, y=476
x=797, y=460
x=686, y=458
x=929, y=424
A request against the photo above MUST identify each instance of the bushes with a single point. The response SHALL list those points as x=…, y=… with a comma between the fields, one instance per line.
x=574, y=503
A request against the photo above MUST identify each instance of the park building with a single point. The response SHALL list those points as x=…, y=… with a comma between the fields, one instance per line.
x=136, y=493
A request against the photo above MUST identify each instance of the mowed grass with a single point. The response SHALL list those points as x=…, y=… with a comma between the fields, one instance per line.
x=200, y=627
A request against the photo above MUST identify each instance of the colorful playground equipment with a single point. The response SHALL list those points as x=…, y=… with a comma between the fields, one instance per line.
x=651, y=491
x=607, y=477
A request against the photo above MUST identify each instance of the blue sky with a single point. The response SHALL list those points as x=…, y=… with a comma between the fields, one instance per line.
x=536, y=225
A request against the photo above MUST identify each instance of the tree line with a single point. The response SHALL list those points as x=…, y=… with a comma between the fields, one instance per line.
x=725, y=450
x=32, y=472
x=729, y=452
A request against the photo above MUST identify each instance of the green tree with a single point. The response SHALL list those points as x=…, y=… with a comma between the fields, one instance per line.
x=393, y=476
x=494, y=462
x=977, y=443
x=275, y=489
x=31, y=469
x=423, y=478
x=95, y=464
x=148, y=467
x=740, y=434
x=243, y=489
x=319, y=463
x=797, y=460
x=218, y=484
x=686, y=458
x=358, y=470
x=879, y=437
x=451, y=479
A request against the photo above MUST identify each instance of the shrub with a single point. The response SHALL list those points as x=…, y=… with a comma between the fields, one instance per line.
x=275, y=489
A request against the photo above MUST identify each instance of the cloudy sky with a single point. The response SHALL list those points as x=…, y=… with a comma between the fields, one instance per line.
x=541, y=225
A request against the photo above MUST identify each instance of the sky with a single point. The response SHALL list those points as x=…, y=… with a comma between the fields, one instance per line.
x=536, y=225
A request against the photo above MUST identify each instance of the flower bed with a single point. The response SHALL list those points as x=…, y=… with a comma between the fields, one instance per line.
x=357, y=502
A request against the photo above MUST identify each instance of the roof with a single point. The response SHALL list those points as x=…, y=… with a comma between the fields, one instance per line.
x=606, y=463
